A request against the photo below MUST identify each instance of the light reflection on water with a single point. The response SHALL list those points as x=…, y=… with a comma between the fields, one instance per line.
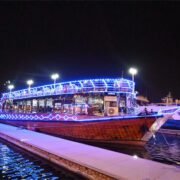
x=14, y=164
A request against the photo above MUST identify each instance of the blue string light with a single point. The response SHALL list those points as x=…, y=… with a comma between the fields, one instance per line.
x=114, y=85
x=59, y=117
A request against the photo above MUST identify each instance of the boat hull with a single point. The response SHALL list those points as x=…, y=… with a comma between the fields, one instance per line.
x=112, y=131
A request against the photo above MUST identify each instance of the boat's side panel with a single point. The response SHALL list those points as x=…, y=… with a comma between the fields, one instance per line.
x=111, y=130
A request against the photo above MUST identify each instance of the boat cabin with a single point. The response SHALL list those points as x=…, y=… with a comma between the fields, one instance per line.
x=101, y=97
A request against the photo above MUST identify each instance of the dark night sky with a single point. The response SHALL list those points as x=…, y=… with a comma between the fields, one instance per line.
x=92, y=39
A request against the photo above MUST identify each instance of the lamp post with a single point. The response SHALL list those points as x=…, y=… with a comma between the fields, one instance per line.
x=10, y=87
x=54, y=77
x=29, y=83
x=133, y=71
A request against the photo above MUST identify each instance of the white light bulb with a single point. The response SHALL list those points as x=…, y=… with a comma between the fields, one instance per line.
x=11, y=86
x=54, y=76
x=30, y=82
x=133, y=71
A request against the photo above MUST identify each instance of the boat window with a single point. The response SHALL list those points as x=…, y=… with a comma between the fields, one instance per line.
x=113, y=104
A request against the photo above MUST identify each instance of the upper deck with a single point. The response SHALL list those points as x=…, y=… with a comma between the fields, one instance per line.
x=116, y=85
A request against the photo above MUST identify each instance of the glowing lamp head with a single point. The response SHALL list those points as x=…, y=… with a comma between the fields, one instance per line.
x=10, y=87
x=30, y=82
x=54, y=76
x=133, y=71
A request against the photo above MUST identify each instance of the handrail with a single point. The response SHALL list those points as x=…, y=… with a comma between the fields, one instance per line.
x=71, y=87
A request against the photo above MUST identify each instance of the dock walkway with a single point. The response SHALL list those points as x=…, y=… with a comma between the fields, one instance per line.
x=93, y=162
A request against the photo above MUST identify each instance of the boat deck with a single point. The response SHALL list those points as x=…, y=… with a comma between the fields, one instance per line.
x=112, y=164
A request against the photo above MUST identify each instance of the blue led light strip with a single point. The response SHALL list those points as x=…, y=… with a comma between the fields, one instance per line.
x=116, y=85
x=61, y=117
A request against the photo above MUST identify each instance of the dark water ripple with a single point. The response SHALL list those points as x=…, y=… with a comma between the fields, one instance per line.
x=14, y=164
x=164, y=148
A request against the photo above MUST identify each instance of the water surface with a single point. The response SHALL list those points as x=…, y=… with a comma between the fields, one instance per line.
x=16, y=164
x=163, y=148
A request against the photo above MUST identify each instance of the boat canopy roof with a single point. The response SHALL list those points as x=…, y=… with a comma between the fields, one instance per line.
x=116, y=85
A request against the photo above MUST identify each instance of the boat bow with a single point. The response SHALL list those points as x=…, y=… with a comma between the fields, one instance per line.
x=156, y=126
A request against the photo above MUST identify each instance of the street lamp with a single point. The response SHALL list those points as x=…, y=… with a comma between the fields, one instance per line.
x=133, y=71
x=29, y=83
x=10, y=87
x=54, y=77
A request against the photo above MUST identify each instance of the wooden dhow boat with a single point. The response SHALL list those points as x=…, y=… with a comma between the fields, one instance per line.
x=93, y=110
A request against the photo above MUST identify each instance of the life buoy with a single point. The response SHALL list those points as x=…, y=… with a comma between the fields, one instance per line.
x=111, y=111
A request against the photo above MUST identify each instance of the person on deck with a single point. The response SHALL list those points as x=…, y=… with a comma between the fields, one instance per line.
x=146, y=111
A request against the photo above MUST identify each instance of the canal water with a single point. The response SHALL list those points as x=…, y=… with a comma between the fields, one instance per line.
x=162, y=148
x=16, y=164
